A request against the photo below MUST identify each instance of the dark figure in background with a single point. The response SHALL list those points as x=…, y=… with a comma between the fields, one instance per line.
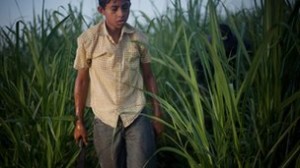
x=230, y=42
x=231, y=45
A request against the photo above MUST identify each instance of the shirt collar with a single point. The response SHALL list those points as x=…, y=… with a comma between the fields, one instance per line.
x=126, y=29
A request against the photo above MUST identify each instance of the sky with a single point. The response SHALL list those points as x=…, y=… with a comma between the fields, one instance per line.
x=13, y=10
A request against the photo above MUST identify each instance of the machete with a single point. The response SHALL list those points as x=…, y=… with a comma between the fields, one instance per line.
x=81, y=156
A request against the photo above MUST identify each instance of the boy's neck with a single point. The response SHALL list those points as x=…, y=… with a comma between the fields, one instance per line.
x=114, y=33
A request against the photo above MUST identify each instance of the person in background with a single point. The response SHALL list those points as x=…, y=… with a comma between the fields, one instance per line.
x=113, y=66
x=231, y=44
x=230, y=41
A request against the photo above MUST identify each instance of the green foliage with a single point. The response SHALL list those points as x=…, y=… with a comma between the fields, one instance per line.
x=239, y=111
x=244, y=111
x=36, y=91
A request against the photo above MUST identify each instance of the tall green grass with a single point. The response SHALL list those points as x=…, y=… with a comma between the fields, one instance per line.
x=36, y=90
x=242, y=112
x=246, y=115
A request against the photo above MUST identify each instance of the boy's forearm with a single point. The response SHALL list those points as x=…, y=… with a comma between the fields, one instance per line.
x=79, y=107
x=156, y=108
x=152, y=87
x=80, y=94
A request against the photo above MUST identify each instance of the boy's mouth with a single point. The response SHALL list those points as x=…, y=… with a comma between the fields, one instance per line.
x=121, y=21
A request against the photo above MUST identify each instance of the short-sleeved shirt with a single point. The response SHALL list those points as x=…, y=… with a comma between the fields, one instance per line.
x=116, y=83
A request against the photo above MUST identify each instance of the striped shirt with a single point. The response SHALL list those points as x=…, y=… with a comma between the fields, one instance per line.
x=116, y=84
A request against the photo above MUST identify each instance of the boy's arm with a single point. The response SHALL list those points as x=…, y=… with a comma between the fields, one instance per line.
x=151, y=86
x=80, y=94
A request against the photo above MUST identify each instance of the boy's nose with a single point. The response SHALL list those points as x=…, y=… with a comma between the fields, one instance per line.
x=121, y=12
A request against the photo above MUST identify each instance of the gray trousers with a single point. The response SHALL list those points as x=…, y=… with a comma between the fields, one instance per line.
x=130, y=147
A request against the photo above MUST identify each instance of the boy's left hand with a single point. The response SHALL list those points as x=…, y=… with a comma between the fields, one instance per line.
x=158, y=128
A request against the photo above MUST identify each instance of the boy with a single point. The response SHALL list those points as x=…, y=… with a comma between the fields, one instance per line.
x=112, y=67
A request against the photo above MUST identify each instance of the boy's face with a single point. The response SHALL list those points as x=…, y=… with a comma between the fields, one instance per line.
x=116, y=13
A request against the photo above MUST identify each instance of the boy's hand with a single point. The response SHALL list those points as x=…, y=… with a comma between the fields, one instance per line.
x=80, y=133
x=158, y=128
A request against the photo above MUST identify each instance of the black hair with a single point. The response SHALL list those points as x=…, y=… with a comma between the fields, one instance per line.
x=225, y=29
x=103, y=3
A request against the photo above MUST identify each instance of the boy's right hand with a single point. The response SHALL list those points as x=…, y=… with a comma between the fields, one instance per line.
x=80, y=133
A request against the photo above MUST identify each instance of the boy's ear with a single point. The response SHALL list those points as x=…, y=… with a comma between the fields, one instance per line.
x=100, y=9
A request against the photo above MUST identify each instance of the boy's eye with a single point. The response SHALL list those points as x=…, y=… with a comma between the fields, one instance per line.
x=114, y=9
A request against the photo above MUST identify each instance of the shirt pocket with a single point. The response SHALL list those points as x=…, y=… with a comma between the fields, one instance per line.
x=100, y=60
x=132, y=57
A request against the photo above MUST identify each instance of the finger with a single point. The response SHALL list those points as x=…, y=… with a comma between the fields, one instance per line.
x=80, y=143
x=85, y=141
x=77, y=138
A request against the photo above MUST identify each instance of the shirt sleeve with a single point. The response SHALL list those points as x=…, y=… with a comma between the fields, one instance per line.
x=143, y=47
x=81, y=60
